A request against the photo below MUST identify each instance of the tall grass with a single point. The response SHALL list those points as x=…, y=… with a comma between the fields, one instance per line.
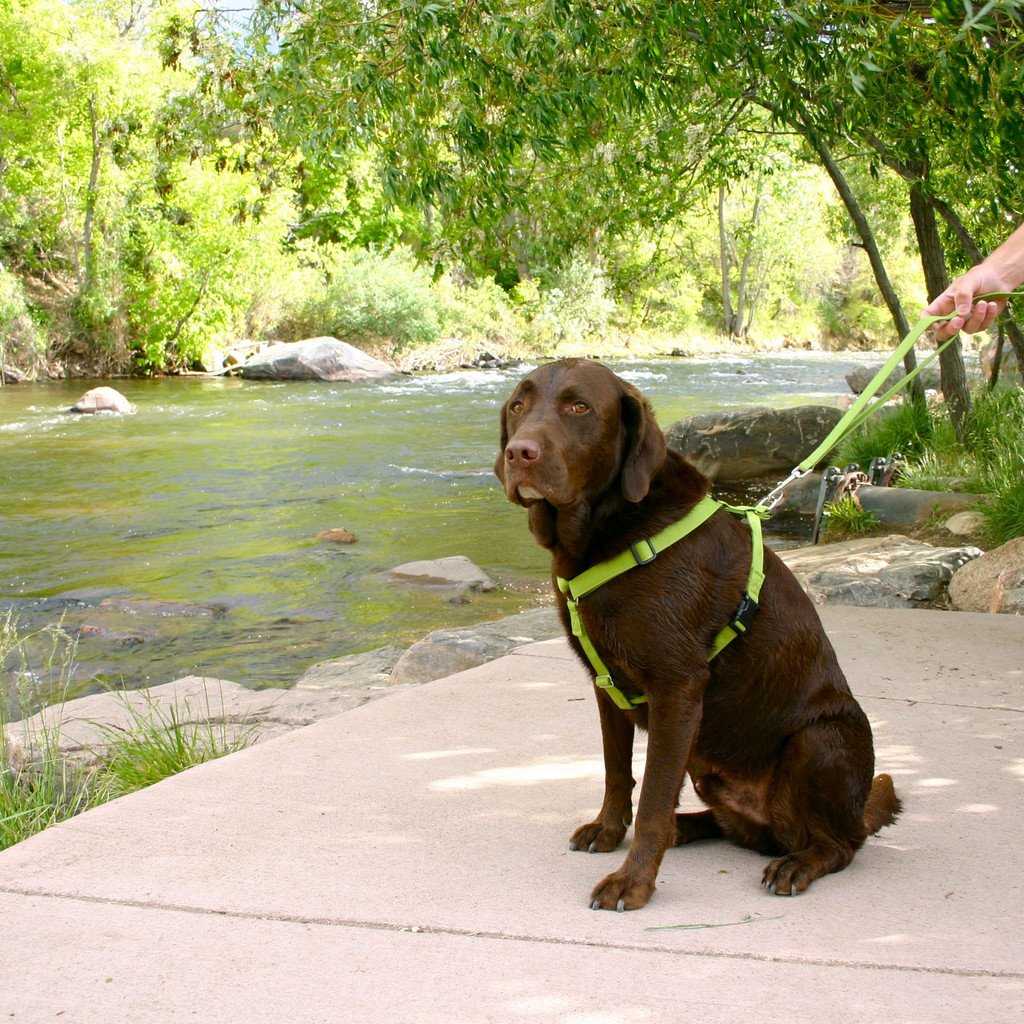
x=989, y=460
x=158, y=743
x=40, y=788
x=37, y=787
x=906, y=429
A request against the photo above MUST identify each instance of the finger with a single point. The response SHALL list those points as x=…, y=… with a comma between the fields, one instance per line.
x=947, y=330
x=941, y=304
x=963, y=297
x=975, y=319
x=991, y=312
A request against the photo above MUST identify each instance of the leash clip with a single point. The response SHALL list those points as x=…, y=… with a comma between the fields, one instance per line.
x=775, y=496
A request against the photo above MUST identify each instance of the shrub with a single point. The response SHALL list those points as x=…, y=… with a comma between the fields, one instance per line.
x=21, y=341
x=480, y=311
x=906, y=429
x=369, y=298
x=576, y=307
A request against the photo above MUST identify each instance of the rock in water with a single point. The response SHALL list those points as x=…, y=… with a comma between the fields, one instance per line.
x=455, y=570
x=102, y=400
x=337, y=535
x=877, y=572
x=859, y=378
x=733, y=446
x=446, y=651
x=314, y=359
x=992, y=583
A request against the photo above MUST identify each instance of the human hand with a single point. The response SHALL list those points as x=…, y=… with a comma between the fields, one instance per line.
x=971, y=316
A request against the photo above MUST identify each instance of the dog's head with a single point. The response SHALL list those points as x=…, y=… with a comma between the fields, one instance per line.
x=572, y=430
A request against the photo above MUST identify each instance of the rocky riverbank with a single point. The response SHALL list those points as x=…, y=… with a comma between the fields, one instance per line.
x=887, y=572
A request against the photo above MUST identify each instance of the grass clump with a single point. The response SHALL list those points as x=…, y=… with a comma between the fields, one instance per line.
x=159, y=742
x=43, y=792
x=906, y=429
x=845, y=519
x=39, y=787
x=988, y=461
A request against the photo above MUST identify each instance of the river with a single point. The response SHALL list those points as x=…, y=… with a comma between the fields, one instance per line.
x=182, y=538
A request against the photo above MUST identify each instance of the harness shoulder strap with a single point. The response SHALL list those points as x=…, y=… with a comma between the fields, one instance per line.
x=645, y=551
x=640, y=553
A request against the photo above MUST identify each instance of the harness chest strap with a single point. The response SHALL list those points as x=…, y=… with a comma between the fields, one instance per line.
x=644, y=552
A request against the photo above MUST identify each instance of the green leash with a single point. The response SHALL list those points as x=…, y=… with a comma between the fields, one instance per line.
x=864, y=407
x=643, y=552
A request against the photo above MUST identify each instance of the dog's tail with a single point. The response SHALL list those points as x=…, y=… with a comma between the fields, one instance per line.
x=882, y=806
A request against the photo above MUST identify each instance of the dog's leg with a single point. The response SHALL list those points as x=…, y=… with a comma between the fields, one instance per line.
x=673, y=721
x=608, y=829
x=691, y=828
x=816, y=807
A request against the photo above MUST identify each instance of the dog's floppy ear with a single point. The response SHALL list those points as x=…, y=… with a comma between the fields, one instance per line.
x=645, y=448
x=499, y=465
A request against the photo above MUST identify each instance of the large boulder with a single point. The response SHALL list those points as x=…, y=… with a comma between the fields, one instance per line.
x=877, y=572
x=447, y=651
x=12, y=375
x=314, y=359
x=859, y=377
x=366, y=669
x=730, y=447
x=992, y=583
x=102, y=400
x=452, y=571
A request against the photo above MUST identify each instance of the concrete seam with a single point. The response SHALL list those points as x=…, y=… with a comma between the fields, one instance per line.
x=944, y=704
x=385, y=926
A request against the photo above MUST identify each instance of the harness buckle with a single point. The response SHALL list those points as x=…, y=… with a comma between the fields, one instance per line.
x=744, y=614
x=636, y=554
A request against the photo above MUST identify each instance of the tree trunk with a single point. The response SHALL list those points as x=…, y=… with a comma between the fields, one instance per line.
x=87, y=272
x=742, y=319
x=933, y=262
x=867, y=237
x=974, y=254
x=724, y=258
x=997, y=358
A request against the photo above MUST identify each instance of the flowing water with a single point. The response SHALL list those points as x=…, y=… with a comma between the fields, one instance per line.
x=181, y=539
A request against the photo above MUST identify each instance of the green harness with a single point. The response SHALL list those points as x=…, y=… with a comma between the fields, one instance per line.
x=643, y=552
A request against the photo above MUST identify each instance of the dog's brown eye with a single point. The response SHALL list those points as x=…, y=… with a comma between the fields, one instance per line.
x=516, y=407
x=580, y=408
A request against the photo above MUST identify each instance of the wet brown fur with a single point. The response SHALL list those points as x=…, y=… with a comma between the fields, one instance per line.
x=774, y=742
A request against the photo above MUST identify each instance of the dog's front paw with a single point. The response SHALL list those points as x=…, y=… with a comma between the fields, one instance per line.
x=597, y=837
x=622, y=890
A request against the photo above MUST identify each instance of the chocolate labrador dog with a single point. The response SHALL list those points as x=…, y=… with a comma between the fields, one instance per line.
x=773, y=740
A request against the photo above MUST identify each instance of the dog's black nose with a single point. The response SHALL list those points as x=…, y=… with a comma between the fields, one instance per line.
x=524, y=451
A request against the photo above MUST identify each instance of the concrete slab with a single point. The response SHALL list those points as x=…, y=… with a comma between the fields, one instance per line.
x=447, y=808
x=169, y=967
